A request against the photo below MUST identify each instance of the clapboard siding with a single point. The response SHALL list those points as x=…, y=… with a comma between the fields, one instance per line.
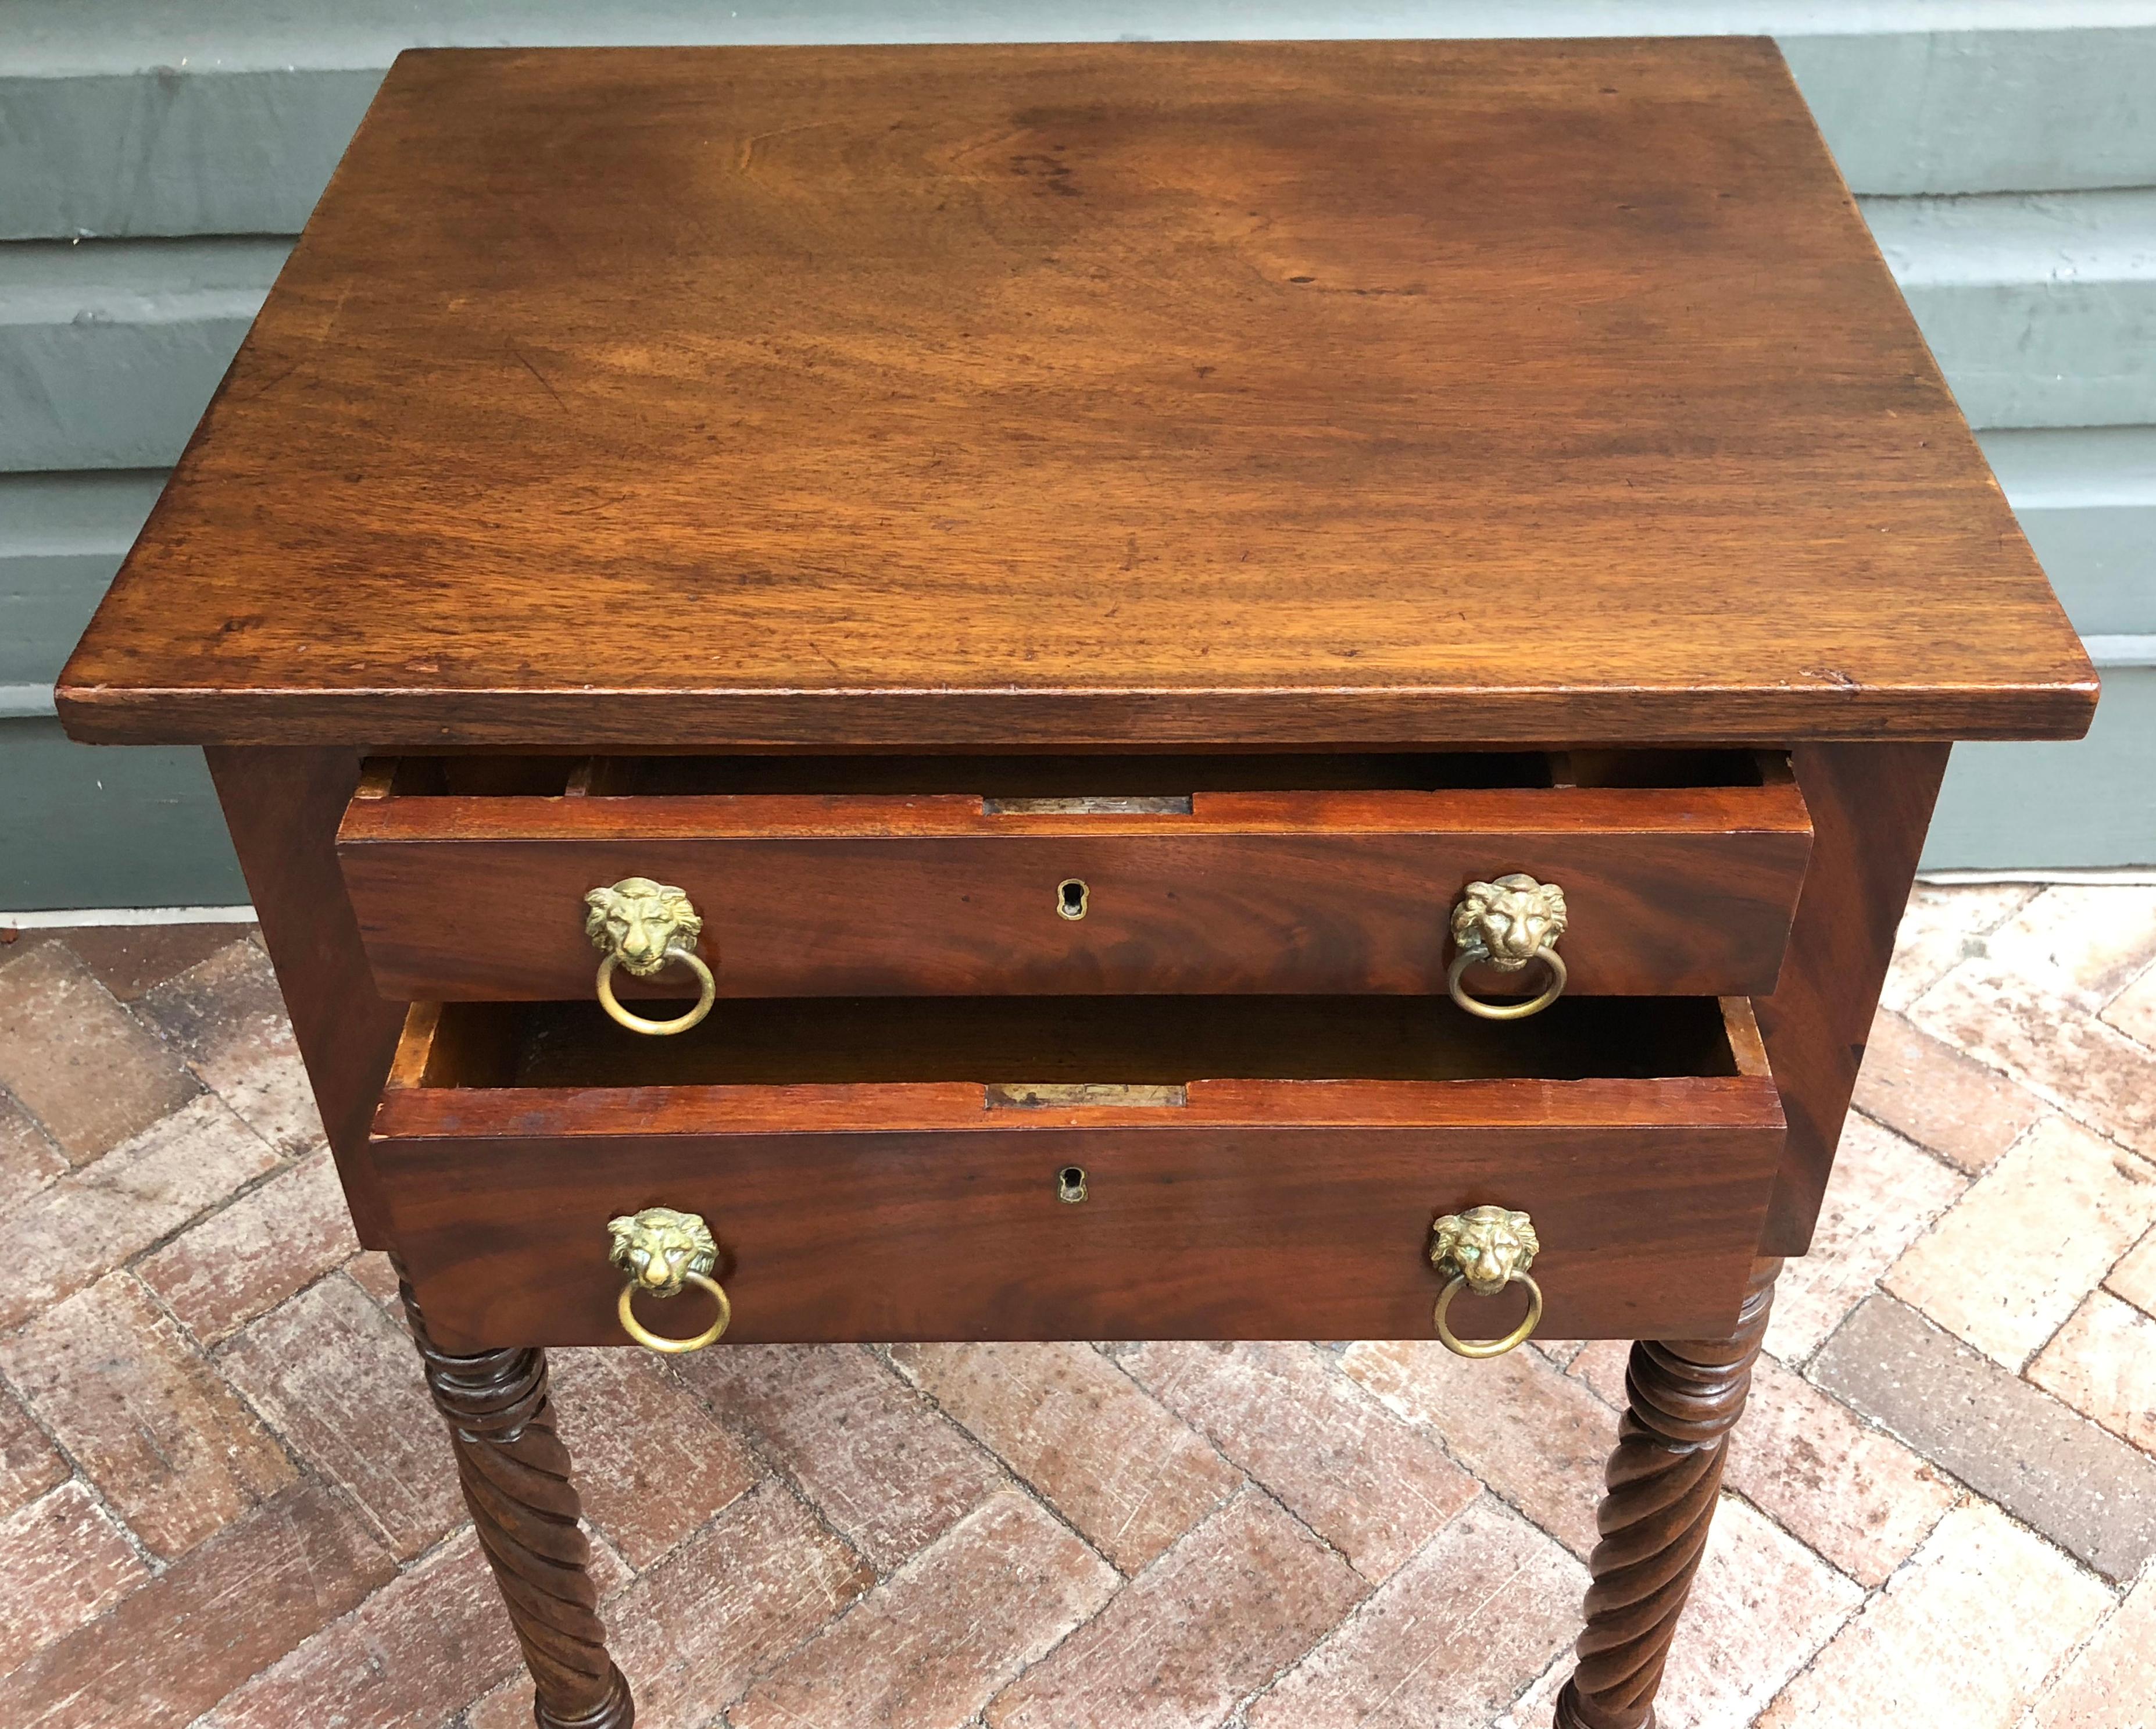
x=2006, y=151
x=2086, y=499
x=2041, y=308
x=2049, y=805
x=62, y=538
x=110, y=828
x=110, y=349
x=127, y=133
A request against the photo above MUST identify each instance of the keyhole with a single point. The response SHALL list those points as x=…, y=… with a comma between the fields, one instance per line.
x=1071, y=1184
x=1070, y=898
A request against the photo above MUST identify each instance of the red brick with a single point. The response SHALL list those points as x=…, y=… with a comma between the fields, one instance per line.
x=2048, y=1039
x=695, y=1631
x=1371, y=1484
x=2074, y=1193
x=2084, y=941
x=340, y=1381
x=377, y=1277
x=129, y=959
x=228, y=1017
x=651, y=1462
x=1209, y=1624
x=2113, y=1674
x=1602, y=1364
x=28, y=1160
x=1884, y=1191
x=1129, y=1476
x=2103, y=1364
x=235, y=1264
x=1929, y=1091
x=1533, y=1433
x=1859, y=1498
x=77, y=1060
x=2085, y=1489
x=410, y=1654
x=228, y=1607
x=878, y=1463
x=77, y=1230
x=1966, y=1634
x=29, y=1464
x=1942, y=927
x=148, y=1420
x=1436, y=1648
x=929, y=1647
x=1761, y=1604
x=2134, y=1277
x=63, y=1561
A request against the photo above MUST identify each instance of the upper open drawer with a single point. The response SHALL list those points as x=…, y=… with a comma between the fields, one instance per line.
x=874, y=876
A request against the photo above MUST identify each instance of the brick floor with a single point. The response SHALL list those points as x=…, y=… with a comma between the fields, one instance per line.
x=224, y=1503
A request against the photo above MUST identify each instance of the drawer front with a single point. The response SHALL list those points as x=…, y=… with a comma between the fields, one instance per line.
x=1242, y=1209
x=1669, y=891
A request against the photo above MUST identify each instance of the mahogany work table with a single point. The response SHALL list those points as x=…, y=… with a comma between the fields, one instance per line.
x=1265, y=692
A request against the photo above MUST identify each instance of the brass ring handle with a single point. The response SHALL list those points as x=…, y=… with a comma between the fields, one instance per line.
x=1508, y=924
x=660, y=1341
x=705, y=997
x=642, y=925
x=1485, y=1249
x=1506, y=1011
x=1485, y=1347
x=664, y=1252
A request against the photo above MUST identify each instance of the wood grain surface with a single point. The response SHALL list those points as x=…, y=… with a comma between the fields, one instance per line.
x=1871, y=804
x=1211, y=393
x=1258, y=1209
x=1671, y=891
x=282, y=808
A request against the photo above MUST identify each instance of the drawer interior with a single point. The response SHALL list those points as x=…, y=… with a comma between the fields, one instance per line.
x=1106, y=779
x=1091, y=1049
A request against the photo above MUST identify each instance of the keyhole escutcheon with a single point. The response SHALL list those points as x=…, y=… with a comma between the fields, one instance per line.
x=1070, y=898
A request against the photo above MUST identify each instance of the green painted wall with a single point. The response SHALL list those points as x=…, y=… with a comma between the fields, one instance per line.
x=156, y=159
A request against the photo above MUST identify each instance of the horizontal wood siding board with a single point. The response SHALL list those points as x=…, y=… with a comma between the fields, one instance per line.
x=2087, y=498
x=165, y=150
x=2006, y=110
x=2091, y=804
x=130, y=125
x=83, y=827
x=109, y=351
x=45, y=601
x=2041, y=308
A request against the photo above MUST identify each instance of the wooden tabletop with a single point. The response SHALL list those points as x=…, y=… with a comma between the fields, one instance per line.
x=1133, y=393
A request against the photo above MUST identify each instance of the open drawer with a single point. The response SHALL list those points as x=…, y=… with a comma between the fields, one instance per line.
x=1297, y=874
x=1251, y=1167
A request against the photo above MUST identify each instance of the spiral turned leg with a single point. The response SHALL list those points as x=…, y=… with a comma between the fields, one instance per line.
x=515, y=1473
x=1661, y=1487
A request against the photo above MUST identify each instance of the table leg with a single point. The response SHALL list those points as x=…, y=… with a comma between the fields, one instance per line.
x=1661, y=1485
x=514, y=1472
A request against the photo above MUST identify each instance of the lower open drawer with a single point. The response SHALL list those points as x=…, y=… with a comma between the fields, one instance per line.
x=1252, y=1168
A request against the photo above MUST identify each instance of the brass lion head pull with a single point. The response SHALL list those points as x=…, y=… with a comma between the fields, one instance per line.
x=1507, y=924
x=640, y=925
x=664, y=1252
x=1484, y=1250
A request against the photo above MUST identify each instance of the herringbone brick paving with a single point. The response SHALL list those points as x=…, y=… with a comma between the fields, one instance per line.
x=224, y=1500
